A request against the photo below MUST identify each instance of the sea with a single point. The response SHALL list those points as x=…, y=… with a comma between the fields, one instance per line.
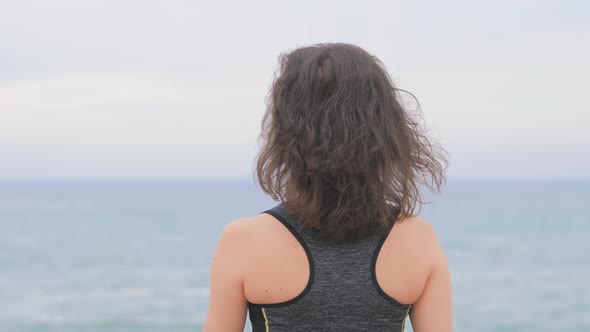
x=134, y=255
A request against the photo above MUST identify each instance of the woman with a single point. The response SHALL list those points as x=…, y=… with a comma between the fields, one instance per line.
x=344, y=250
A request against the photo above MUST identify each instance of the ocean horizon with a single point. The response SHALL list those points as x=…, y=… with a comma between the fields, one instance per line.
x=126, y=255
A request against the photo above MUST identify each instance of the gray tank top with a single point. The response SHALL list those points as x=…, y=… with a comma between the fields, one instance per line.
x=342, y=293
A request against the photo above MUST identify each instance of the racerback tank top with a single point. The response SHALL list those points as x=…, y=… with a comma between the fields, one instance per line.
x=342, y=293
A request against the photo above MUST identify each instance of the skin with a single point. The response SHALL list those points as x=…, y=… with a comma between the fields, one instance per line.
x=411, y=267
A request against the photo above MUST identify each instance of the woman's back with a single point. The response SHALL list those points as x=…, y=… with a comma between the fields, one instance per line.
x=344, y=251
x=370, y=284
x=340, y=292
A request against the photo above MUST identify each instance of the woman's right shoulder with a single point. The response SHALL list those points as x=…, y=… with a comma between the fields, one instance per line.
x=240, y=238
x=253, y=230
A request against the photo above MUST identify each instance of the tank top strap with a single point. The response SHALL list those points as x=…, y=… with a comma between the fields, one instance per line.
x=342, y=291
x=281, y=212
x=331, y=261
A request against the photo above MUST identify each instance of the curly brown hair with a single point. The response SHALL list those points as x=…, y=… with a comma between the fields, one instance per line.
x=339, y=148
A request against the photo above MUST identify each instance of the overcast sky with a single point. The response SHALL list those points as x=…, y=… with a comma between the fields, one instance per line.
x=173, y=89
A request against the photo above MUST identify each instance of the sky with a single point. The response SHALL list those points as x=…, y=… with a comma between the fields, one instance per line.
x=176, y=89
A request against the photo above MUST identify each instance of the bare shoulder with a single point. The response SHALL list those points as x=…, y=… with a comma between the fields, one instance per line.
x=244, y=244
x=416, y=227
x=417, y=236
x=247, y=227
x=248, y=231
x=240, y=230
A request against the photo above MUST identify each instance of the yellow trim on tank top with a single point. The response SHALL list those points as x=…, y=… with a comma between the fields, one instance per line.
x=265, y=319
x=405, y=317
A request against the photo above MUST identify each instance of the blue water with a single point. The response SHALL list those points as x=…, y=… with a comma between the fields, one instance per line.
x=134, y=256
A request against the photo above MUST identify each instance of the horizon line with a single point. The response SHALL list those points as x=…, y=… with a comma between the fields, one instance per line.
x=244, y=179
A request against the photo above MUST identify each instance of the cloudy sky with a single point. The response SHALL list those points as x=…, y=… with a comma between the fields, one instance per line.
x=172, y=89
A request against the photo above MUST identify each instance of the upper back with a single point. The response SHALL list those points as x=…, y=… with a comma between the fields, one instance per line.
x=297, y=280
